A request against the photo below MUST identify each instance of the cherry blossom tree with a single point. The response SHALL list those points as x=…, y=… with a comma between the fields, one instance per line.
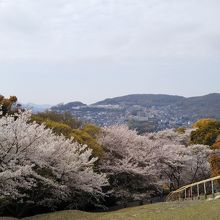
x=180, y=163
x=171, y=136
x=171, y=161
x=38, y=168
x=41, y=169
x=129, y=162
x=198, y=166
x=137, y=164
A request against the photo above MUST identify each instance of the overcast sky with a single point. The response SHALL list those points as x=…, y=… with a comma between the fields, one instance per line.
x=54, y=51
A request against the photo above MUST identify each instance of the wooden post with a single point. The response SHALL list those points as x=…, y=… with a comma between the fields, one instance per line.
x=185, y=194
x=198, y=195
x=213, y=193
x=205, y=191
x=191, y=192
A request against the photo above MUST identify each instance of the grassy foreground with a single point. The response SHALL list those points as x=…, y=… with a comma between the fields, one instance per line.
x=189, y=210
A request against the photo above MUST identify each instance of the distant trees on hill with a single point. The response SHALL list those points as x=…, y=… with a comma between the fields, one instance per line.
x=65, y=118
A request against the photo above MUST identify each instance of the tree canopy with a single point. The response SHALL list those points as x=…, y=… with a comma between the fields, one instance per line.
x=208, y=132
x=67, y=125
x=6, y=104
x=41, y=169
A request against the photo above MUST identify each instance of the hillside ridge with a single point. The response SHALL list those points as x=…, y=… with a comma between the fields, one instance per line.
x=152, y=111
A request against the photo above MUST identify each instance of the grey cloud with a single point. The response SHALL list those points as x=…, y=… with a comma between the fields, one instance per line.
x=86, y=29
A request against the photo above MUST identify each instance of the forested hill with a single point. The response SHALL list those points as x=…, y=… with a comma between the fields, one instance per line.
x=156, y=112
x=202, y=106
x=145, y=100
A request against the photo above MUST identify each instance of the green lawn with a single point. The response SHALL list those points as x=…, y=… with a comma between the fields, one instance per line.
x=189, y=210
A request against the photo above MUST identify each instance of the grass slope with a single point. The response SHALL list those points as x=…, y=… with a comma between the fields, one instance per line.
x=190, y=210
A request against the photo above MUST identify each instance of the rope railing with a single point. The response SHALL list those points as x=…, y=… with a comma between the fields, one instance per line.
x=189, y=191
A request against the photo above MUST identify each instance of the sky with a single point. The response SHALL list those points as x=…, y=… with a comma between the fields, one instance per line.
x=54, y=51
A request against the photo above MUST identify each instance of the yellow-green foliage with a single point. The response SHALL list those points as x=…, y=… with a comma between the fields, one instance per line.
x=208, y=133
x=65, y=118
x=61, y=124
x=59, y=128
x=82, y=137
x=215, y=159
x=180, y=130
x=203, y=122
x=91, y=130
x=216, y=145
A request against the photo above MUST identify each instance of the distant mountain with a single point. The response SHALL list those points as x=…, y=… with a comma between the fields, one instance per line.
x=154, y=112
x=68, y=106
x=35, y=107
x=201, y=106
x=142, y=100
